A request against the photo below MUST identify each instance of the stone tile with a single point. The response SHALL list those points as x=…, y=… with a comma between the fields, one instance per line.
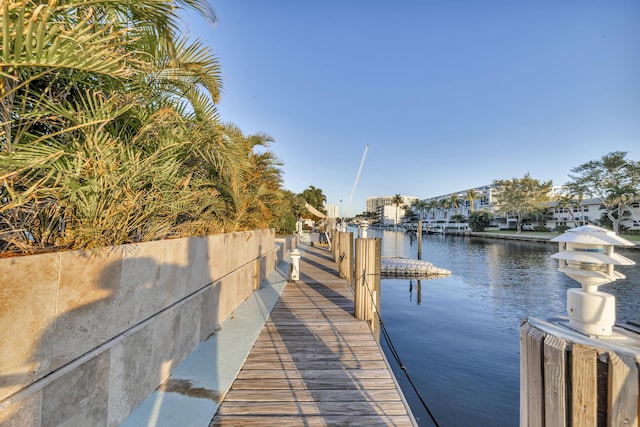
x=28, y=290
x=79, y=398
x=140, y=294
x=198, y=272
x=209, y=319
x=234, y=288
x=176, y=333
x=131, y=376
x=174, y=270
x=24, y=412
x=89, y=287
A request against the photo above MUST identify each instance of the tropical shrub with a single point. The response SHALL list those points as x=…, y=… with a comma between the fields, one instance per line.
x=479, y=220
x=109, y=132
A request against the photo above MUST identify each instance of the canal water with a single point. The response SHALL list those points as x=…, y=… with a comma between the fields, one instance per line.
x=458, y=336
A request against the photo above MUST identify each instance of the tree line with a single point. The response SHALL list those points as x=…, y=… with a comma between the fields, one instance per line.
x=614, y=180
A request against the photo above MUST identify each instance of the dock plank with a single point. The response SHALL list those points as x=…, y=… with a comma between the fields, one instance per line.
x=313, y=421
x=314, y=364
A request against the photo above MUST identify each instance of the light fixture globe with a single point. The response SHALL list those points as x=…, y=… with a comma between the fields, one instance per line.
x=587, y=256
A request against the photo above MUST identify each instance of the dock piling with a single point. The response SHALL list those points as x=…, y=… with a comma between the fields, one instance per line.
x=367, y=282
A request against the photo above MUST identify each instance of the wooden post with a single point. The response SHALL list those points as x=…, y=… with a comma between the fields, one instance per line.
x=345, y=256
x=535, y=386
x=419, y=236
x=359, y=292
x=622, y=404
x=555, y=396
x=348, y=257
x=367, y=282
x=524, y=378
x=559, y=383
x=584, y=377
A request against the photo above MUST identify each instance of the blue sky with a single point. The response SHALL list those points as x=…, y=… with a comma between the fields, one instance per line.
x=448, y=95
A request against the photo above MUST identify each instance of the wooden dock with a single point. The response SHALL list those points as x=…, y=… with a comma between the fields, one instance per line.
x=314, y=364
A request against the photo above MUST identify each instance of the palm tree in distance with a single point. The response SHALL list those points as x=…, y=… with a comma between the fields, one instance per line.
x=471, y=196
x=397, y=200
x=431, y=205
x=454, y=202
x=315, y=197
x=419, y=206
x=444, y=205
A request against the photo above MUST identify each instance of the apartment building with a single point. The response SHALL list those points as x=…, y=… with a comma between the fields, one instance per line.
x=388, y=212
x=441, y=208
x=374, y=203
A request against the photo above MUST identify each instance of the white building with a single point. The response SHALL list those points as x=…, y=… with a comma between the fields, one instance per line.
x=588, y=211
x=332, y=211
x=388, y=212
x=440, y=209
x=374, y=203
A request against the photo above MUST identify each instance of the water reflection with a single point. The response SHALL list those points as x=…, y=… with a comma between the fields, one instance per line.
x=461, y=341
x=418, y=291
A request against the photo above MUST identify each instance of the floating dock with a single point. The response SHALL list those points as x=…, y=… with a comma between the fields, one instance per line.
x=414, y=268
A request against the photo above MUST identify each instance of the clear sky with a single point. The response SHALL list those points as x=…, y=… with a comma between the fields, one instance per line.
x=448, y=95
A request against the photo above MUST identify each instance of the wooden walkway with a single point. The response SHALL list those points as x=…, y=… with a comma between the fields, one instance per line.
x=314, y=364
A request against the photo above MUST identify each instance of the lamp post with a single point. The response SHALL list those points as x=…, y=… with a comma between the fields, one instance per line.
x=587, y=256
x=294, y=269
x=364, y=226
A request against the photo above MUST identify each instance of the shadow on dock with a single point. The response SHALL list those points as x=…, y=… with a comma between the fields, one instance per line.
x=314, y=364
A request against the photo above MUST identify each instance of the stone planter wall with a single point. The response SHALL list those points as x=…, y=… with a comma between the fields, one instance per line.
x=86, y=336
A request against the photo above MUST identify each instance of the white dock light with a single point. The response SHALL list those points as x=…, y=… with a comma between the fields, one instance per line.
x=364, y=226
x=294, y=268
x=587, y=256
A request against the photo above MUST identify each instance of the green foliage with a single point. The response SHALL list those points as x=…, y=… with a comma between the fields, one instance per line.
x=521, y=197
x=457, y=218
x=479, y=220
x=286, y=214
x=613, y=179
x=411, y=216
x=419, y=206
x=109, y=132
x=314, y=197
x=470, y=196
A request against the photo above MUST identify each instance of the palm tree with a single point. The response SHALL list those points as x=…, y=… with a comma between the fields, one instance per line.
x=420, y=206
x=61, y=51
x=445, y=205
x=315, y=197
x=397, y=200
x=454, y=202
x=471, y=196
x=566, y=201
x=432, y=205
x=109, y=131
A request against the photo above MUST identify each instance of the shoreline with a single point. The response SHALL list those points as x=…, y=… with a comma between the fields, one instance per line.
x=531, y=238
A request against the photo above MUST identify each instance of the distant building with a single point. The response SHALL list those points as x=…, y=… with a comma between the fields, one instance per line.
x=374, y=203
x=588, y=211
x=437, y=211
x=390, y=214
x=581, y=212
x=332, y=211
x=387, y=212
